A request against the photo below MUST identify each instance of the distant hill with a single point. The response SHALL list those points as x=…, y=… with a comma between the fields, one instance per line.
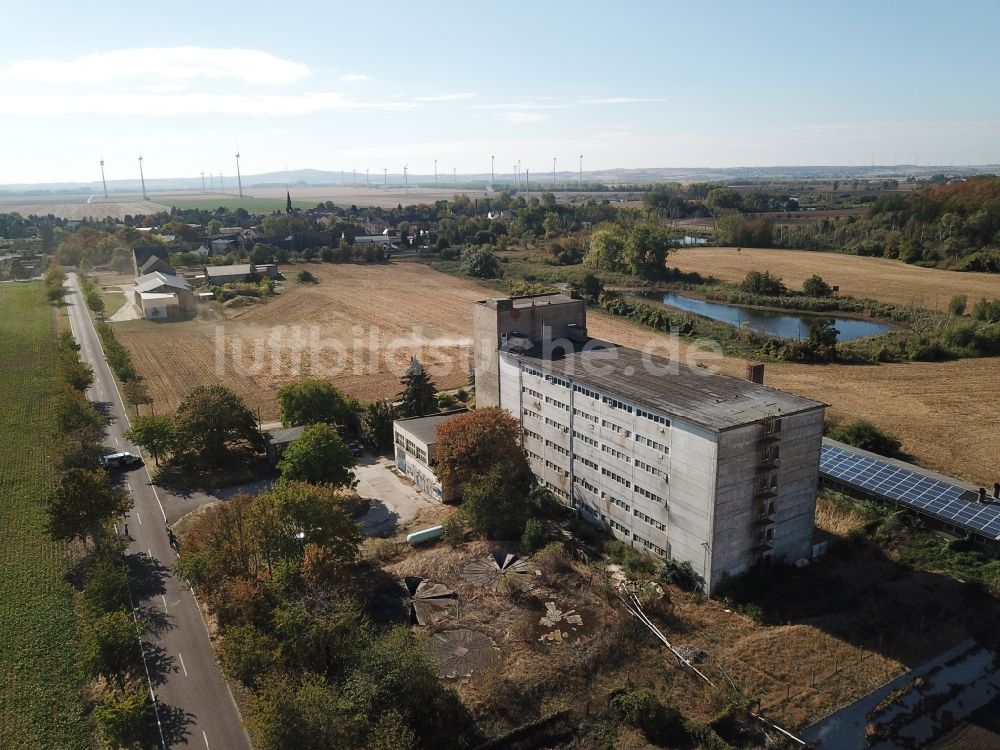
x=644, y=175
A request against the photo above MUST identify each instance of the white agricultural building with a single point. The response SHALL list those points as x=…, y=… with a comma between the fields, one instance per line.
x=161, y=296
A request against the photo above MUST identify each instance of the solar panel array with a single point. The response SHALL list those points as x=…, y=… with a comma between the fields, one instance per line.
x=933, y=497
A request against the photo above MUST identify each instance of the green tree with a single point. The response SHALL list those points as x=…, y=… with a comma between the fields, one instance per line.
x=72, y=371
x=762, y=283
x=106, y=588
x=156, y=434
x=480, y=263
x=318, y=456
x=494, y=505
x=591, y=287
x=110, y=647
x=128, y=722
x=419, y=394
x=822, y=338
x=82, y=504
x=646, y=248
x=378, y=419
x=136, y=393
x=310, y=401
x=213, y=227
x=247, y=652
x=533, y=538
x=211, y=421
x=815, y=286
x=607, y=245
x=987, y=311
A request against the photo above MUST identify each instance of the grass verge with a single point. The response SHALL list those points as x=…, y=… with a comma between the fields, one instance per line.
x=40, y=683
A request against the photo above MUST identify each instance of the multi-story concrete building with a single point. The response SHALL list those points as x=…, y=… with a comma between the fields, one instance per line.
x=683, y=463
x=415, y=439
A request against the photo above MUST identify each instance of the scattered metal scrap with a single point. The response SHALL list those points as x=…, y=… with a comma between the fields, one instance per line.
x=461, y=652
x=557, y=619
x=428, y=602
x=502, y=572
x=692, y=654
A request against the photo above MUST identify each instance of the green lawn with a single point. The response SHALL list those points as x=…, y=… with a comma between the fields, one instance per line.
x=260, y=205
x=40, y=684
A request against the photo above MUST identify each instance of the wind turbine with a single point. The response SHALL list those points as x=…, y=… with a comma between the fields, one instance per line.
x=142, y=179
x=366, y=178
x=553, y=171
x=406, y=185
x=454, y=175
x=493, y=176
x=239, y=179
x=435, y=173
x=581, y=171
x=103, y=181
x=203, y=181
x=385, y=178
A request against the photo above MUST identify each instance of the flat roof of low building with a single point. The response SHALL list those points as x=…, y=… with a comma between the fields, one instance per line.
x=158, y=297
x=425, y=429
x=718, y=402
x=284, y=435
x=532, y=300
x=234, y=270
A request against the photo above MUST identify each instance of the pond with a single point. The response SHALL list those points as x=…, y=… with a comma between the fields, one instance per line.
x=770, y=322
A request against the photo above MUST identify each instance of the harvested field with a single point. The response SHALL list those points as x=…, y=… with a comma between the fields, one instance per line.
x=358, y=326
x=79, y=206
x=873, y=278
x=944, y=412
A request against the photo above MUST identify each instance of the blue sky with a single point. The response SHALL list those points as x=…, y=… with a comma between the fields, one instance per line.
x=378, y=84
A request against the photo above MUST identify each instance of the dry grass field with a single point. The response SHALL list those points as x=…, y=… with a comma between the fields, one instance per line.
x=944, y=412
x=358, y=326
x=873, y=278
x=79, y=206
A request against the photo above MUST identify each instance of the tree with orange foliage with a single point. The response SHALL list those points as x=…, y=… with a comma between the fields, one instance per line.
x=477, y=443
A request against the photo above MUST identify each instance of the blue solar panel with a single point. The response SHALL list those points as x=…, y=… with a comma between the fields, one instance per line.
x=910, y=488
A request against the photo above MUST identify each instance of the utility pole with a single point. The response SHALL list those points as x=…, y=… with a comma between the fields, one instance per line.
x=103, y=181
x=406, y=184
x=553, y=171
x=493, y=175
x=366, y=179
x=581, y=171
x=454, y=175
x=435, y=173
x=203, y=182
x=527, y=189
x=142, y=179
x=354, y=178
x=385, y=178
x=514, y=170
x=239, y=180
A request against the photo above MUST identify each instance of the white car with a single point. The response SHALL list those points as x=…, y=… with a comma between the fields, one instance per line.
x=120, y=460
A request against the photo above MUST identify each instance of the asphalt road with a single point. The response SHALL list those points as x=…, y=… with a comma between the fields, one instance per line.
x=194, y=706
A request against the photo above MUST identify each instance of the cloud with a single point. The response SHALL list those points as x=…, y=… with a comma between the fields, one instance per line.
x=171, y=105
x=354, y=78
x=621, y=100
x=522, y=118
x=443, y=97
x=160, y=63
x=522, y=105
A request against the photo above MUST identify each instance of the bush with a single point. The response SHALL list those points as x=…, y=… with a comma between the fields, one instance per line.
x=533, y=537
x=814, y=286
x=445, y=400
x=763, y=283
x=682, y=575
x=454, y=529
x=867, y=436
x=480, y=263
x=957, y=304
x=634, y=563
x=306, y=277
x=986, y=311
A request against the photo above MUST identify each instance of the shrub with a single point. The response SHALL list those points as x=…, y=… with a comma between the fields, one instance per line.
x=682, y=575
x=957, y=304
x=814, y=286
x=454, y=529
x=987, y=311
x=480, y=263
x=634, y=563
x=867, y=436
x=763, y=283
x=306, y=277
x=533, y=537
x=445, y=400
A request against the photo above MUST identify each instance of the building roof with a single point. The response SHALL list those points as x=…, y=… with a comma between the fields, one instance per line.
x=157, y=279
x=718, y=402
x=240, y=269
x=155, y=263
x=425, y=429
x=159, y=297
x=284, y=435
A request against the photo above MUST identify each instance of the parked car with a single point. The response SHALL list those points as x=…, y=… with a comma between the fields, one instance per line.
x=120, y=460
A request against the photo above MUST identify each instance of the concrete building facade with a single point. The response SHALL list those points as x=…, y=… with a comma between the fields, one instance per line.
x=677, y=461
x=414, y=440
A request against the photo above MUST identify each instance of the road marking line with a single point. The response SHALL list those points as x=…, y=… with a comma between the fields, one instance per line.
x=205, y=737
x=149, y=552
x=116, y=440
x=181, y=657
x=164, y=602
x=157, y=496
x=138, y=517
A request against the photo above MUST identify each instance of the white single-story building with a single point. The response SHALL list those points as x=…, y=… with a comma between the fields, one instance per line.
x=415, y=439
x=161, y=296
